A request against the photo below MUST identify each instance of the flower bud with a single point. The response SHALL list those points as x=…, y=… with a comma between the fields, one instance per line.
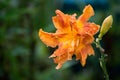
x=106, y=25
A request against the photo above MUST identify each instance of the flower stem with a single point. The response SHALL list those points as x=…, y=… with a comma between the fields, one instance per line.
x=102, y=58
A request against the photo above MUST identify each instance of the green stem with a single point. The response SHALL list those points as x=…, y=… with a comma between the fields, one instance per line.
x=102, y=58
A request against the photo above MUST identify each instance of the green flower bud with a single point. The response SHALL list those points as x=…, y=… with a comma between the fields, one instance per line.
x=106, y=25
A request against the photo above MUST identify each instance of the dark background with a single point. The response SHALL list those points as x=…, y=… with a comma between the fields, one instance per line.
x=24, y=57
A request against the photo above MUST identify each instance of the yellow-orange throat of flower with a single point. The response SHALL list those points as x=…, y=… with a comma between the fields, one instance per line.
x=73, y=36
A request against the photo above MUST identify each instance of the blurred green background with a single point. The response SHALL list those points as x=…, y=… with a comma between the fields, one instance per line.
x=24, y=57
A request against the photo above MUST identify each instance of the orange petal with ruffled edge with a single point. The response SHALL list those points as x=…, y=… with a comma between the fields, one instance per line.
x=48, y=38
x=60, y=60
x=91, y=28
x=87, y=50
x=83, y=57
x=87, y=13
x=63, y=53
x=61, y=22
x=87, y=39
x=81, y=54
x=64, y=48
x=78, y=51
x=84, y=48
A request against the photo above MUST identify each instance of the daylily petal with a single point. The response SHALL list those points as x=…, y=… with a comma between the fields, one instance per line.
x=78, y=51
x=89, y=50
x=59, y=66
x=81, y=54
x=87, y=13
x=83, y=57
x=91, y=28
x=61, y=21
x=60, y=51
x=64, y=48
x=78, y=55
x=63, y=53
x=78, y=27
x=60, y=60
x=48, y=38
x=87, y=39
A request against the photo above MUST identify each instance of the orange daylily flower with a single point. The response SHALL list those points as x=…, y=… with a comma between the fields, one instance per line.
x=73, y=36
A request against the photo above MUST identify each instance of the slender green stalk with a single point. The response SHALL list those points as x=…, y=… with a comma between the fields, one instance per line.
x=102, y=58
